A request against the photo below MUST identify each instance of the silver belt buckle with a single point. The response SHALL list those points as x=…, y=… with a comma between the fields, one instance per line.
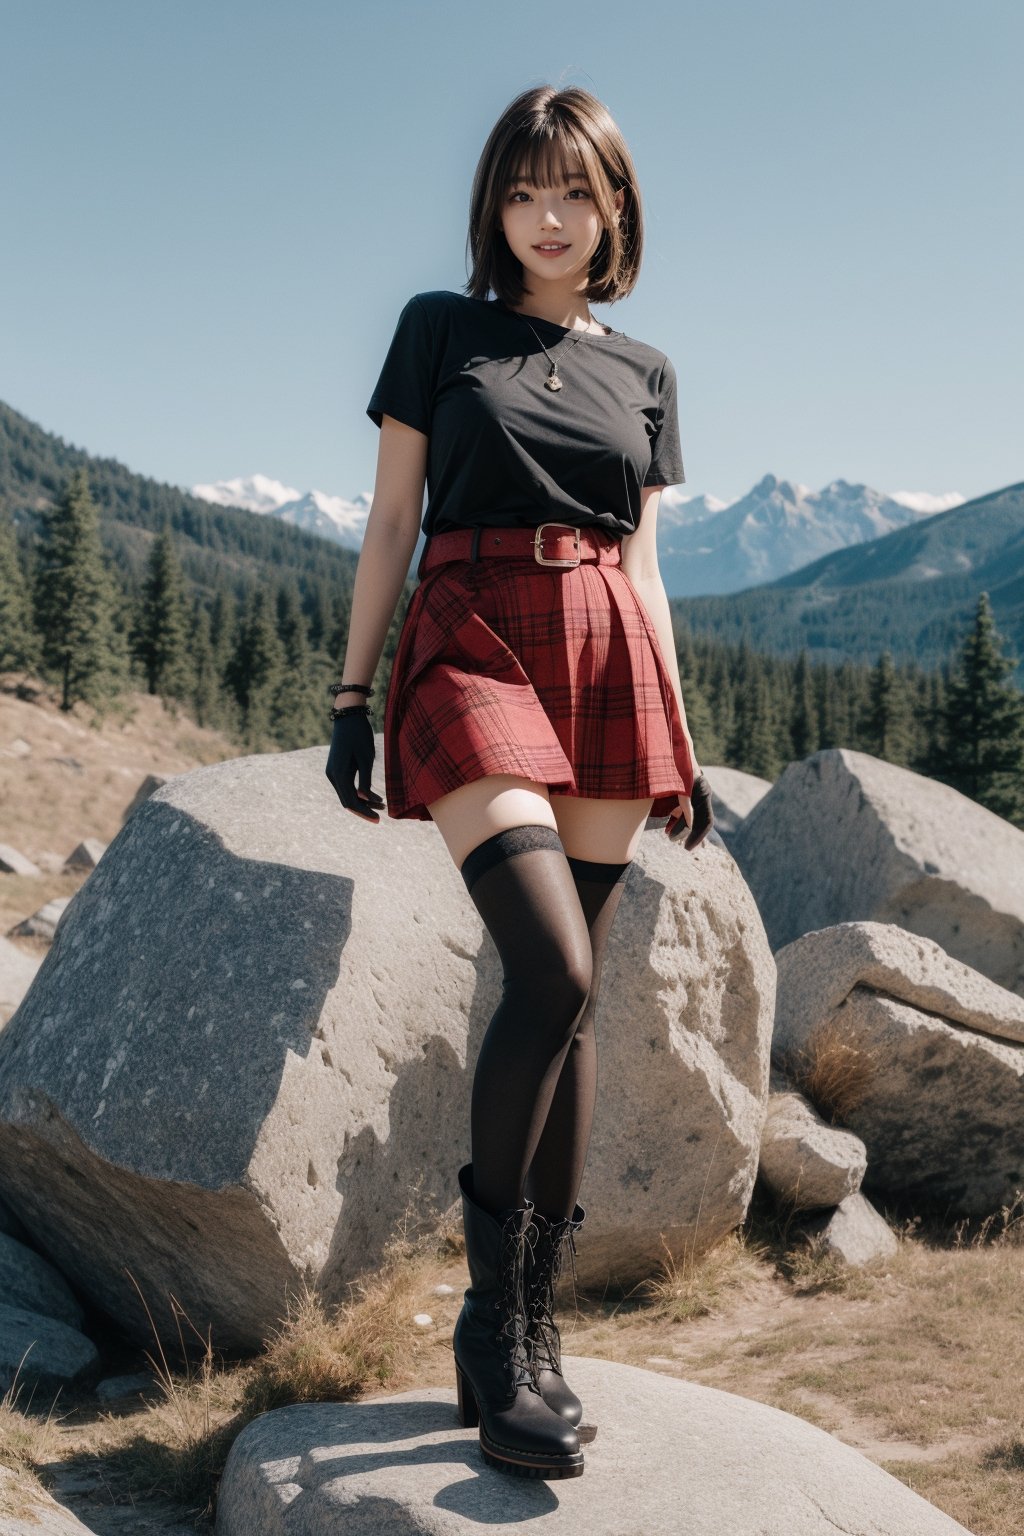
x=538, y=553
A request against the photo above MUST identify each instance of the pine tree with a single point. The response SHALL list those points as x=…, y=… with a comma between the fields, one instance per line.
x=885, y=723
x=19, y=643
x=161, y=638
x=983, y=754
x=76, y=604
x=255, y=671
x=302, y=702
x=804, y=727
x=207, y=701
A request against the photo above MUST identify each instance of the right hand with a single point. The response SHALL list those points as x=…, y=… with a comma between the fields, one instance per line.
x=352, y=751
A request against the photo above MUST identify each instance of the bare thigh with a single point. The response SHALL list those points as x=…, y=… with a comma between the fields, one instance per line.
x=606, y=831
x=473, y=812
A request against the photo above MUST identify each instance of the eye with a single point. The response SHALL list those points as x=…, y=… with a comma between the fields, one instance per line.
x=581, y=190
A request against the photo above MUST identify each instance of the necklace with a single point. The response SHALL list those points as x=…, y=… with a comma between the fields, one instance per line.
x=553, y=381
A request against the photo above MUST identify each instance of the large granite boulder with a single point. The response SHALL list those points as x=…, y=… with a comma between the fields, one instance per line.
x=943, y=1050
x=671, y=1456
x=733, y=796
x=248, y=1053
x=844, y=836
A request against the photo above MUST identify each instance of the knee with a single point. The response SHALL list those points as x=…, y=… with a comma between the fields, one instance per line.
x=554, y=988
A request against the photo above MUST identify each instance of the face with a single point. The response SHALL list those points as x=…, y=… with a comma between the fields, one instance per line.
x=564, y=216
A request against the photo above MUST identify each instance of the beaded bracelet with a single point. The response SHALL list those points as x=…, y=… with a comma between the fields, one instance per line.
x=350, y=709
x=351, y=688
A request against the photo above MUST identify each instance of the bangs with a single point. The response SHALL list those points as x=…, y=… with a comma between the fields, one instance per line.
x=548, y=160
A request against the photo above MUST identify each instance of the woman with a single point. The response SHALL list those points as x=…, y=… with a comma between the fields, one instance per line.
x=534, y=712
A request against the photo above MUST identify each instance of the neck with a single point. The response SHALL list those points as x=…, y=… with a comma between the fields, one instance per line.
x=570, y=310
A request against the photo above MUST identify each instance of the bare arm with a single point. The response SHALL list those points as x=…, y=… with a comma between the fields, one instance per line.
x=392, y=529
x=640, y=563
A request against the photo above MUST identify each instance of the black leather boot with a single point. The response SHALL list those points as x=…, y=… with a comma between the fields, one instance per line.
x=519, y=1433
x=553, y=1240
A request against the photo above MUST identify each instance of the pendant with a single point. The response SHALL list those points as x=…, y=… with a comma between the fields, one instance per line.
x=553, y=381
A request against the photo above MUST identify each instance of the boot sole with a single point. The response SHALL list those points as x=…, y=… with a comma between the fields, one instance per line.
x=503, y=1457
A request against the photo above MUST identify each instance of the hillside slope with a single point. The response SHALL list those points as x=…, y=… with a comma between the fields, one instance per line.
x=912, y=590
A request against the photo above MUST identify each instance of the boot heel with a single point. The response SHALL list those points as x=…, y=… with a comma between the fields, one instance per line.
x=469, y=1413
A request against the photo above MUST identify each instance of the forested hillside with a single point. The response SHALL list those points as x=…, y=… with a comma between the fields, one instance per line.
x=911, y=591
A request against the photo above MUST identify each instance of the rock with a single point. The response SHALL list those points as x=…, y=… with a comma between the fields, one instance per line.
x=805, y=1162
x=670, y=1456
x=114, y=1389
x=57, y=1356
x=733, y=796
x=87, y=855
x=940, y=1111
x=244, y=1057
x=16, y=972
x=843, y=836
x=43, y=924
x=853, y=1232
x=10, y=1224
x=150, y=784
x=14, y=863
x=28, y=1280
x=28, y=1510
x=19, y=747
x=820, y=969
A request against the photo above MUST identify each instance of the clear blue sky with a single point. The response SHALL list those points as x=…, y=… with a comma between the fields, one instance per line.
x=214, y=210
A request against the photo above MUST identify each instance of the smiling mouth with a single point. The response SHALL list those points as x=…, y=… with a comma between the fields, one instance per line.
x=552, y=245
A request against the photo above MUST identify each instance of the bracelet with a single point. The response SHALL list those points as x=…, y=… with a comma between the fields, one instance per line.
x=351, y=688
x=350, y=709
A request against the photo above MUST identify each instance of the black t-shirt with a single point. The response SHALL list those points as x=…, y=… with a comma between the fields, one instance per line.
x=504, y=450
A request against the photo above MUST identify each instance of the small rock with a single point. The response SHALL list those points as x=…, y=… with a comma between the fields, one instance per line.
x=804, y=1161
x=423, y=1320
x=43, y=924
x=87, y=855
x=444, y=1290
x=14, y=863
x=113, y=1388
x=57, y=1356
x=854, y=1232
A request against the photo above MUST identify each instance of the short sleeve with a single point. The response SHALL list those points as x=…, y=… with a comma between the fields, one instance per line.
x=406, y=384
x=666, y=453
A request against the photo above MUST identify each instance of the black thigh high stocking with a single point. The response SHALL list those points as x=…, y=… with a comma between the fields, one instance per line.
x=557, y=1170
x=523, y=888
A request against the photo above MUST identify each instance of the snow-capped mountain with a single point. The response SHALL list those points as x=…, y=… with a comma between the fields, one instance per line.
x=776, y=528
x=705, y=545
x=330, y=516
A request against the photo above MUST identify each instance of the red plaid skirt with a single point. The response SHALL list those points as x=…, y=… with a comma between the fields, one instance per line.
x=550, y=673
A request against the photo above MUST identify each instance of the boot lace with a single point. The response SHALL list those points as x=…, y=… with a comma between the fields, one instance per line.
x=543, y=1336
x=513, y=1333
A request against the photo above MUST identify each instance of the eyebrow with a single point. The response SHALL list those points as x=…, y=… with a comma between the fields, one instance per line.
x=572, y=176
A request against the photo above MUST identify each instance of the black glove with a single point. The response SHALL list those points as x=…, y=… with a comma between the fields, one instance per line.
x=352, y=751
x=703, y=816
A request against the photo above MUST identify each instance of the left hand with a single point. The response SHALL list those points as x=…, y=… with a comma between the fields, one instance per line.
x=701, y=817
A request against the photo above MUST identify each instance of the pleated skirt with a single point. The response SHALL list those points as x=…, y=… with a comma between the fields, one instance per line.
x=554, y=674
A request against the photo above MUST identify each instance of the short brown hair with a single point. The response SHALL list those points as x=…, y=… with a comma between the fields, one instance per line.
x=536, y=136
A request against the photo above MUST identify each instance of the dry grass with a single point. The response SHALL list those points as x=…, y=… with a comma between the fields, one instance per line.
x=834, y=1074
x=25, y=1442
